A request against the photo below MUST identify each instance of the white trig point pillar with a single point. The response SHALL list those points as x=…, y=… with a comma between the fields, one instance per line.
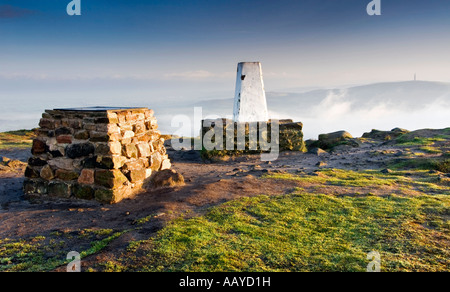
x=250, y=98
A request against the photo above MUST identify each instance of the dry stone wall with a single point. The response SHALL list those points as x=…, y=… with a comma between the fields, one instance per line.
x=106, y=155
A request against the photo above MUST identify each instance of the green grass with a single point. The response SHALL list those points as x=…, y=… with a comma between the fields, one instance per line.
x=341, y=177
x=16, y=139
x=430, y=150
x=406, y=140
x=46, y=254
x=308, y=232
x=441, y=164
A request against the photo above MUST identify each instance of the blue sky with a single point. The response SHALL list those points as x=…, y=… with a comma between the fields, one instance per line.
x=128, y=51
x=300, y=43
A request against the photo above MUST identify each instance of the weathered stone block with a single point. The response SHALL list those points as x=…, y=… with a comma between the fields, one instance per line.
x=47, y=123
x=143, y=138
x=101, y=120
x=130, y=117
x=140, y=117
x=61, y=163
x=90, y=162
x=36, y=161
x=98, y=136
x=130, y=151
x=38, y=147
x=83, y=192
x=145, y=162
x=66, y=175
x=64, y=139
x=29, y=187
x=35, y=187
x=112, y=129
x=115, y=147
x=59, y=189
x=47, y=173
x=149, y=113
x=143, y=150
x=63, y=131
x=57, y=153
x=137, y=175
x=110, y=162
x=108, y=196
x=139, y=128
x=110, y=178
x=102, y=149
x=89, y=127
x=133, y=165
x=86, y=177
x=148, y=173
x=31, y=172
x=155, y=161
x=128, y=135
x=121, y=117
x=115, y=137
x=165, y=164
x=81, y=135
x=80, y=150
x=113, y=118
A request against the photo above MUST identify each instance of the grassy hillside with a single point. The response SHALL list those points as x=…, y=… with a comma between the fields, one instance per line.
x=16, y=139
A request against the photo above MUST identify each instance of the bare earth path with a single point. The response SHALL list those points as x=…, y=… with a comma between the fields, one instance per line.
x=207, y=184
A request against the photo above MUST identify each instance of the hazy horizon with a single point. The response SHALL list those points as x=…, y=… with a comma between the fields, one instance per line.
x=173, y=53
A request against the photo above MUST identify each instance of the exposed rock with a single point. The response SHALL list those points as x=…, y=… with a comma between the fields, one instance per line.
x=321, y=164
x=330, y=140
x=311, y=143
x=385, y=135
x=317, y=151
x=167, y=178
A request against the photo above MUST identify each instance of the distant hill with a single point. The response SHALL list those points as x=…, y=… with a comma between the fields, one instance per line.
x=410, y=104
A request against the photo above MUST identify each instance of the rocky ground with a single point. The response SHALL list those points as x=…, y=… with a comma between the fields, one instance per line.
x=208, y=183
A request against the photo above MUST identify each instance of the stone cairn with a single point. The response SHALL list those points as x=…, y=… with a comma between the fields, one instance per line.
x=290, y=136
x=94, y=153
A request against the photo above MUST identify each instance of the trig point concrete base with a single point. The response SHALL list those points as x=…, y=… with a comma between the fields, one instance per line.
x=250, y=98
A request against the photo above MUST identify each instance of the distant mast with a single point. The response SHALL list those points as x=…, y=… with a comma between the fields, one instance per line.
x=415, y=77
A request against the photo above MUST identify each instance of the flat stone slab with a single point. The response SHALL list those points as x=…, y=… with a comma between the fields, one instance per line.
x=96, y=109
